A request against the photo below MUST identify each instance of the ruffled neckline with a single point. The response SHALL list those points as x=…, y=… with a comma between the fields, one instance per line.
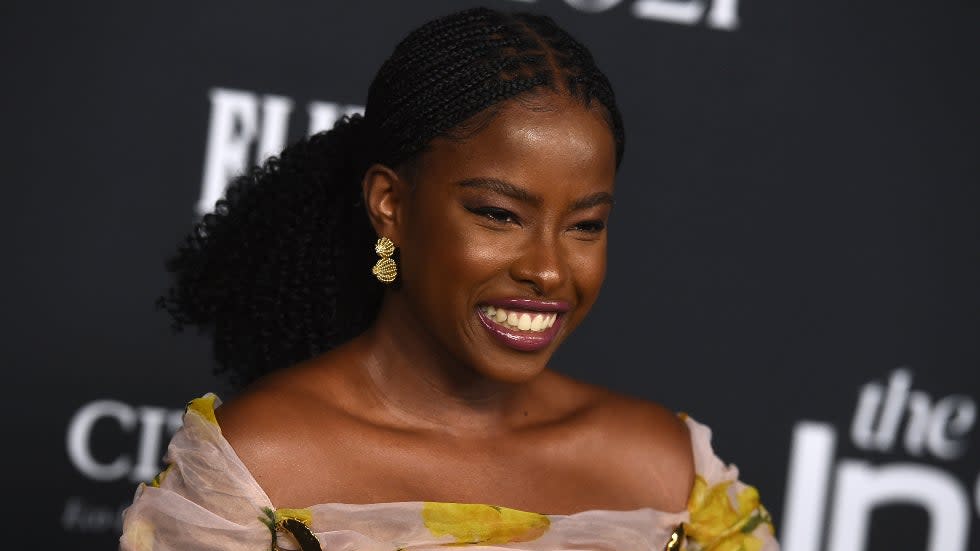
x=207, y=494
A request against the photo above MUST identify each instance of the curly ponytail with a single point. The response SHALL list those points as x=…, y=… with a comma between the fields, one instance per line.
x=279, y=272
x=275, y=273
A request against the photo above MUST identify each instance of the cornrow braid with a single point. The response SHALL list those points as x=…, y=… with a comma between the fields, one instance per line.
x=276, y=273
x=458, y=66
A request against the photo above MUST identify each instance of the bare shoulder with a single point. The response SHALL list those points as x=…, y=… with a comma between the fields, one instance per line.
x=647, y=446
x=256, y=417
x=271, y=428
x=286, y=406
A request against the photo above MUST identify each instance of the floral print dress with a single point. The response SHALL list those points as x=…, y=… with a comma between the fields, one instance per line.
x=206, y=500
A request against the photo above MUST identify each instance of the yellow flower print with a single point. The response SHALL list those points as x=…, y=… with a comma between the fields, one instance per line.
x=158, y=479
x=303, y=515
x=204, y=406
x=717, y=524
x=478, y=523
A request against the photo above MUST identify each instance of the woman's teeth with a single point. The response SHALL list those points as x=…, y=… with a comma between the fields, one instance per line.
x=524, y=321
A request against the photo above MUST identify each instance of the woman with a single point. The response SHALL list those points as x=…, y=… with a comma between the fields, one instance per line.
x=485, y=164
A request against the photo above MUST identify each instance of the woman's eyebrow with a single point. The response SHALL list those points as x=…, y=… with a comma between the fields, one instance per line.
x=589, y=201
x=502, y=187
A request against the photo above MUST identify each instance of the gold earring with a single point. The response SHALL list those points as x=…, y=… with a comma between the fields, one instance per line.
x=385, y=269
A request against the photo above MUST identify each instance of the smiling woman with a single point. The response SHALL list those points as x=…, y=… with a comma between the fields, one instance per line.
x=417, y=410
x=512, y=218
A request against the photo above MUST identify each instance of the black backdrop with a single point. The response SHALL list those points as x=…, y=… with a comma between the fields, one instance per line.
x=794, y=253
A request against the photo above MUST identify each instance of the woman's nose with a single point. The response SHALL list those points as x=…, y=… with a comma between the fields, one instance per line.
x=541, y=265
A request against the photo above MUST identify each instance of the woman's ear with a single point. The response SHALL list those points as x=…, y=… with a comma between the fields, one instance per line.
x=385, y=195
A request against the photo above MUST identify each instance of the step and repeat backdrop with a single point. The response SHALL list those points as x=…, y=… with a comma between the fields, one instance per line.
x=794, y=257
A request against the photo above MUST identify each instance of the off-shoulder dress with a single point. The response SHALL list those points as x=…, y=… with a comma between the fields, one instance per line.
x=206, y=500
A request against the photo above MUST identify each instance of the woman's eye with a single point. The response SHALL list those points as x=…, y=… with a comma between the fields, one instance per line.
x=494, y=213
x=591, y=226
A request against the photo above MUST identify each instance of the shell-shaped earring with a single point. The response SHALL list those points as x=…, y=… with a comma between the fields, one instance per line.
x=385, y=268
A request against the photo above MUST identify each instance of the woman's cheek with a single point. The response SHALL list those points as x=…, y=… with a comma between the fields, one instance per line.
x=486, y=251
x=589, y=266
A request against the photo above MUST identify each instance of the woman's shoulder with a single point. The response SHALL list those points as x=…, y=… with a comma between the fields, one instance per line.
x=672, y=454
x=640, y=441
x=623, y=415
x=282, y=404
x=274, y=424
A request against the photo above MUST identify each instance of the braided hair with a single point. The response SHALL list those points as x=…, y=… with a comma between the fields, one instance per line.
x=276, y=273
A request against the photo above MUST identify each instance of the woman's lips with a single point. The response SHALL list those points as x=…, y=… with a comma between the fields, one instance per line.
x=524, y=325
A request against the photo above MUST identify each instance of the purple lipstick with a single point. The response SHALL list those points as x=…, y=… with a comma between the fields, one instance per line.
x=523, y=324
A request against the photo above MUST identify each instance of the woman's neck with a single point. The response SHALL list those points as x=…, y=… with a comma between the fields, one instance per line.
x=418, y=381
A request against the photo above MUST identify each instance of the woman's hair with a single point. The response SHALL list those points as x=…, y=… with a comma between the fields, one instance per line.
x=280, y=270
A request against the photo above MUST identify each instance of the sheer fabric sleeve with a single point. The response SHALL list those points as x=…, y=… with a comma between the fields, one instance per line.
x=204, y=500
x=725, y=513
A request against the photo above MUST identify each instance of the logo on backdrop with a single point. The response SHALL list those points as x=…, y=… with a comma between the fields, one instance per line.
x=720, y=14
x=146, y=427
x=139, y=435
x=246, y=128
x=892, y=418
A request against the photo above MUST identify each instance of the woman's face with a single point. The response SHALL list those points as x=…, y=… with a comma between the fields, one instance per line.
x=503, y=236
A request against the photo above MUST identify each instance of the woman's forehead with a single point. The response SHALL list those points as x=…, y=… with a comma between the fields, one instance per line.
x=561, y=135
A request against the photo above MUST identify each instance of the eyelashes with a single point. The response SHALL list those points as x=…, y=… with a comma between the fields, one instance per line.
x=503, y=216
x=496, y=214
x=591, y=226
